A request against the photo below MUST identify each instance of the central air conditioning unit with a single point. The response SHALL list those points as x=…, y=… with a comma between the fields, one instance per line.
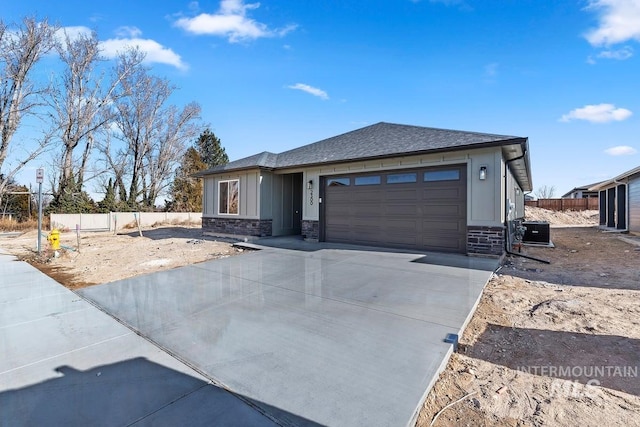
x=536, y=232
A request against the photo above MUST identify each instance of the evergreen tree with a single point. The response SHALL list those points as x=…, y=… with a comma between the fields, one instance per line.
x=72, y=200
x=109, y=203
x=211, y=150
x=16, y=204
x=186, y=190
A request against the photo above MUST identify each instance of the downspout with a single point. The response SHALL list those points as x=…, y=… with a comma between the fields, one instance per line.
x=506, y=213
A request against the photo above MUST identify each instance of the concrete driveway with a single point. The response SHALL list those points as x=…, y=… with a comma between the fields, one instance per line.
x=326, y=334
x=63, y=362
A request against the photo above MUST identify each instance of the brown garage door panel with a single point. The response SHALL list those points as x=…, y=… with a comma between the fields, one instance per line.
x=444, y=226
x=367, y=210
x=364, y=196
x=442, y=194
x=401, y=210
x=420, y=215
x=397, y=226
x=392, y=193
x=445, y=210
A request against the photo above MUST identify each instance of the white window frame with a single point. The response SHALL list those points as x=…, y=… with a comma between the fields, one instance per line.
x=227, y=181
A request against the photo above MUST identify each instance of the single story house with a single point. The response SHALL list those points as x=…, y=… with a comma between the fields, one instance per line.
x=583, y=192
x=619, y=201
x=384, y=185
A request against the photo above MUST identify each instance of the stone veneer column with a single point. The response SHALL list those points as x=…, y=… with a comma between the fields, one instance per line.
x=488, y=241
x=310, y=229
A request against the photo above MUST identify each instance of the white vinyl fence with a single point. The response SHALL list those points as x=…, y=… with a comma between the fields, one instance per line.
x=113, y=221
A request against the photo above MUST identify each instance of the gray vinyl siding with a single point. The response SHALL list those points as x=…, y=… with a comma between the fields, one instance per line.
x=266, y=195
x=249, y=197
x=515, y=195
x=634, y=204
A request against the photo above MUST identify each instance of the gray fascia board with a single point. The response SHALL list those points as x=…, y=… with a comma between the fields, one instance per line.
x=232, y=170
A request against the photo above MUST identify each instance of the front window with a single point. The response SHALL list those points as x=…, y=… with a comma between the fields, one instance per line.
x=228, y=199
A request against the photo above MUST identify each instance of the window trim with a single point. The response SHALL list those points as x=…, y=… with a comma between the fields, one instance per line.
x=227, y=181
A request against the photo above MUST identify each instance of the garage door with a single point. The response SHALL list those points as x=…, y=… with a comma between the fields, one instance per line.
x=423, y=209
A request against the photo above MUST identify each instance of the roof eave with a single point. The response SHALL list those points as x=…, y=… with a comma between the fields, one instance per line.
x=210, y=172
x=521, y=169
x=410, y=153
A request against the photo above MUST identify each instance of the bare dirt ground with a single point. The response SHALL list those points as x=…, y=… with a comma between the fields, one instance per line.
x=556, y=344
x=104, y=257
x=550, y=344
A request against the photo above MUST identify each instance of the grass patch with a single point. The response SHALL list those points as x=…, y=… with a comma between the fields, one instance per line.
x=32, y=224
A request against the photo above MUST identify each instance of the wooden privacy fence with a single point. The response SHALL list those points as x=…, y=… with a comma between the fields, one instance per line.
x=565, y=204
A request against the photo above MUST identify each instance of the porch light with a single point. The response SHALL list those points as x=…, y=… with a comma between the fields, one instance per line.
x=310, y=184
x=483, y=173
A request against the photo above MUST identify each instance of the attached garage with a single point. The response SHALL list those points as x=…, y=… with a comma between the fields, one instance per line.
x=422, y=209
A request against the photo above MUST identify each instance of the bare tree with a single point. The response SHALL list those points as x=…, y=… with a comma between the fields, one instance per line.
x=81, y=103
x=174, y=130
x=154, y=136
x=545, y=192
x=20, y=49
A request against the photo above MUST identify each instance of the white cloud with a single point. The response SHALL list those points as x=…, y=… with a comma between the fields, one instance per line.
x=621, y=54
x=72, y=32
x=600, y=113
x=231, y=21
x=310, y=89
x=621, y=150
x=129, y=37
x=619, y=21
x=128, y=32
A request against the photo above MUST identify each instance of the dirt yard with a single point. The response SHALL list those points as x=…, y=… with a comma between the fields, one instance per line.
x=102, y=257
x=550, y=344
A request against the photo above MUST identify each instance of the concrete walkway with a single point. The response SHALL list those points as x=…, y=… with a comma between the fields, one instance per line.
x=337, y=336
x=64, y=362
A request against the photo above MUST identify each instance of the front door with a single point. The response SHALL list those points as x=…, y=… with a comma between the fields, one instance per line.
x=292, y=203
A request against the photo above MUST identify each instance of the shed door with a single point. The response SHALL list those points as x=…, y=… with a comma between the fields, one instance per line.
x=422, y=209
x=634, y=205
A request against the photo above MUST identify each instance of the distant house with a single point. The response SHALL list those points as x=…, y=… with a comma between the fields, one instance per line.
x=384, y=185
x=581, y=192
x=619, y=201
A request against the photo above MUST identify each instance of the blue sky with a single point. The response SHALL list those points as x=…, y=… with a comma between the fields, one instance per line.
x=277, y=74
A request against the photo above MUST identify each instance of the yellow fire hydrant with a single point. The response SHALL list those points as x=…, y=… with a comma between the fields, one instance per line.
x=54, y=239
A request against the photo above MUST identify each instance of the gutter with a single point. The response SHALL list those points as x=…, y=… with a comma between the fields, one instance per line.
x=506, y=212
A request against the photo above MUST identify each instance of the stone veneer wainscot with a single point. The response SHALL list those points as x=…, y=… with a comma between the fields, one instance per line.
x=239, y=226
x=488, y=241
